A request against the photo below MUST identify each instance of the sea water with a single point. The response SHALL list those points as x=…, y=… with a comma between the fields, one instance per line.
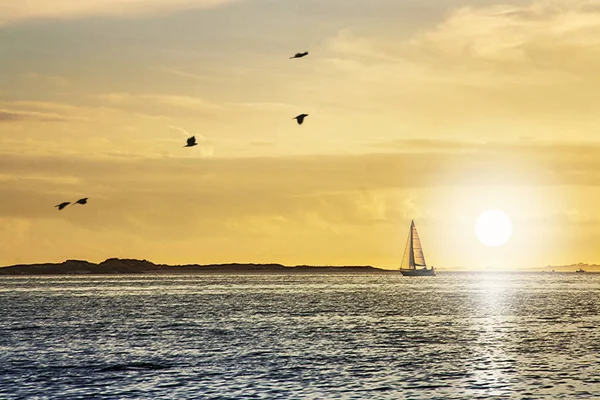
x=295, y=336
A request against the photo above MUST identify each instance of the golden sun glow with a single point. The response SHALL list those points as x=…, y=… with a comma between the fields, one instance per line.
x=493, y=228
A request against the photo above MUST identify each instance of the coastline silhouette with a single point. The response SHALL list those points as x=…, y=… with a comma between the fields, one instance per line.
x=133, y=266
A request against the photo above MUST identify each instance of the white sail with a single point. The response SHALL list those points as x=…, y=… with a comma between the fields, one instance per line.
x=413, y=262
x=418, y=257
x=413, y=253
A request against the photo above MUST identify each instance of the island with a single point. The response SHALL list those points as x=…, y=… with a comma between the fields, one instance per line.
x=578, y=267
x=117, y=266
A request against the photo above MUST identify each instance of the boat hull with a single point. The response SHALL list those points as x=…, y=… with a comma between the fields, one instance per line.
x=418, y=272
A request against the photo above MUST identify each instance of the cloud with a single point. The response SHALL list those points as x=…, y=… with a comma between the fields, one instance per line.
x=204, y=150
x=266, y=203
x=9, y=116
x=504, y=70
x=227, y=180
x=52, y=80
x=528, y=44
x=428, y=145
x=265, y=106
x=537, y=162
x=79, y=129
x=176, y=106
x=13, y=12
x=192, y=75
x=196, y=197
x=19, y=115
x=261, y=143
x=550, y=36
x=186, y=133
x=188, y=102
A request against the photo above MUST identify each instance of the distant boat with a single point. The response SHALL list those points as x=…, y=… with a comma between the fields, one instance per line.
x=413, y=258
x=580, y=270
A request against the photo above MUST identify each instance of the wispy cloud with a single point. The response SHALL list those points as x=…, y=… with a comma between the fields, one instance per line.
x=9, y=116
x=52, y=80
x=340, y=200
x=265, y=105
x=337, y=189
x=13, y=115
x=187, y=102
x=186, y=133
x=559, y=36
x=540, y=163
x=261, y=143
x=206, y=151
x=16, y=11
x=534, y=43
x=504, y=70
x=190, y=75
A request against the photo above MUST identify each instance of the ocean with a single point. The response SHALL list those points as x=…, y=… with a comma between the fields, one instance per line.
x=300, y=336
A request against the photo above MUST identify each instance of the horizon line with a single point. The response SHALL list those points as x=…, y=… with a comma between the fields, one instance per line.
x=560, y=268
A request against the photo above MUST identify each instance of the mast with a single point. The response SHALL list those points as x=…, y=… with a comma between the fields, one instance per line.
x=412, y=248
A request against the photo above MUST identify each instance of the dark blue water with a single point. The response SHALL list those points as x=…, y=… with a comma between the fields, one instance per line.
x=453, y=336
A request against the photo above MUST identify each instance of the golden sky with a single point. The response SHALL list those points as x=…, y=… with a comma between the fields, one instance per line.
x=432, y=110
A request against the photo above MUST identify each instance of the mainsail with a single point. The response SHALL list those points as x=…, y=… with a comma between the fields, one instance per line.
x=413, y=253
x=418, y=257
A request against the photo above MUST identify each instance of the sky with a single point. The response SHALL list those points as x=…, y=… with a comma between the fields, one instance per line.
x=429, y=110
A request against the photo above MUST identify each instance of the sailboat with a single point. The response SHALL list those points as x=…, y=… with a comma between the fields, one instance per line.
x=413, y=262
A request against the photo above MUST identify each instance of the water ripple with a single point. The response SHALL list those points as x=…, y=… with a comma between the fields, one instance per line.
x=313, y=336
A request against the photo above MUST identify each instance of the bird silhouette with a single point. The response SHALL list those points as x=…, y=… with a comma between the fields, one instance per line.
x=300, y=118
x=82, y=201
x=62, y=205
x=299, y=55
x=191, y=142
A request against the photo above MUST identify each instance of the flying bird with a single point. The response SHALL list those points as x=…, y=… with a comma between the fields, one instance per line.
x=82, y=201
x=62, y=205
x=299, y=55
x=191, y=142
x=300, y=118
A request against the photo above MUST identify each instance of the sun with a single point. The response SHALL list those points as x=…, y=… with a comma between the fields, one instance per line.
x=493, y=228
